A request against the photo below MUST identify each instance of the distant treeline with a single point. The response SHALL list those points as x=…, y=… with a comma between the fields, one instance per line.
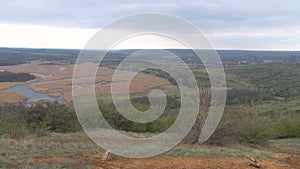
x=6, y=76
x=14, y=56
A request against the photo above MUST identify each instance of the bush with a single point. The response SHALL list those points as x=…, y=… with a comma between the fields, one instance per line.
x=244, y=96
x=11, y=125
x=2, y=131
x=16, y=121
x=289, y=127
x=53, y=117
x=118, y=122
x=244, y=128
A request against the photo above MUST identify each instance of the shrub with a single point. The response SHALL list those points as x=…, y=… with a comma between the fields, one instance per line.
x=289, y=127
x=11, y=125
x=118, y=122
x=245, y=128
x=2, y=131
x=244, y=96
x=16, y=121
x=53, y=117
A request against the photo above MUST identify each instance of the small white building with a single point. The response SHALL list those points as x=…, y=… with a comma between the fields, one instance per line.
x=267, y=61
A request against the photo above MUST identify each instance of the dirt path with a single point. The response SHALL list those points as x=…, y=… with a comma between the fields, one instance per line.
x=168, y=162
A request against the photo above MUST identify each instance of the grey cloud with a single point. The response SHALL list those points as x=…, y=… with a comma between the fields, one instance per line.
x=211, y=16
x=94, y=13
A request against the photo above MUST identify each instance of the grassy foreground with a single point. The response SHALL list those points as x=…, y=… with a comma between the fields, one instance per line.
x=76, y=150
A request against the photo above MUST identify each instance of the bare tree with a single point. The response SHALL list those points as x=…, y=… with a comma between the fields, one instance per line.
x=205, y=99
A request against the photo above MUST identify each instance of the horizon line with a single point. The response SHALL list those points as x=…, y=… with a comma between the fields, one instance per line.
x=217, y=49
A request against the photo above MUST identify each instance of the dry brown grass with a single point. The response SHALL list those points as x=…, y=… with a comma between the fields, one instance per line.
x=36, y=67
x=140, y=83
x=11, y=97
x=5, y=85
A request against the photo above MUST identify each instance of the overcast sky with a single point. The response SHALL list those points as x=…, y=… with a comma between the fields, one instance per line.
x=229, y=24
